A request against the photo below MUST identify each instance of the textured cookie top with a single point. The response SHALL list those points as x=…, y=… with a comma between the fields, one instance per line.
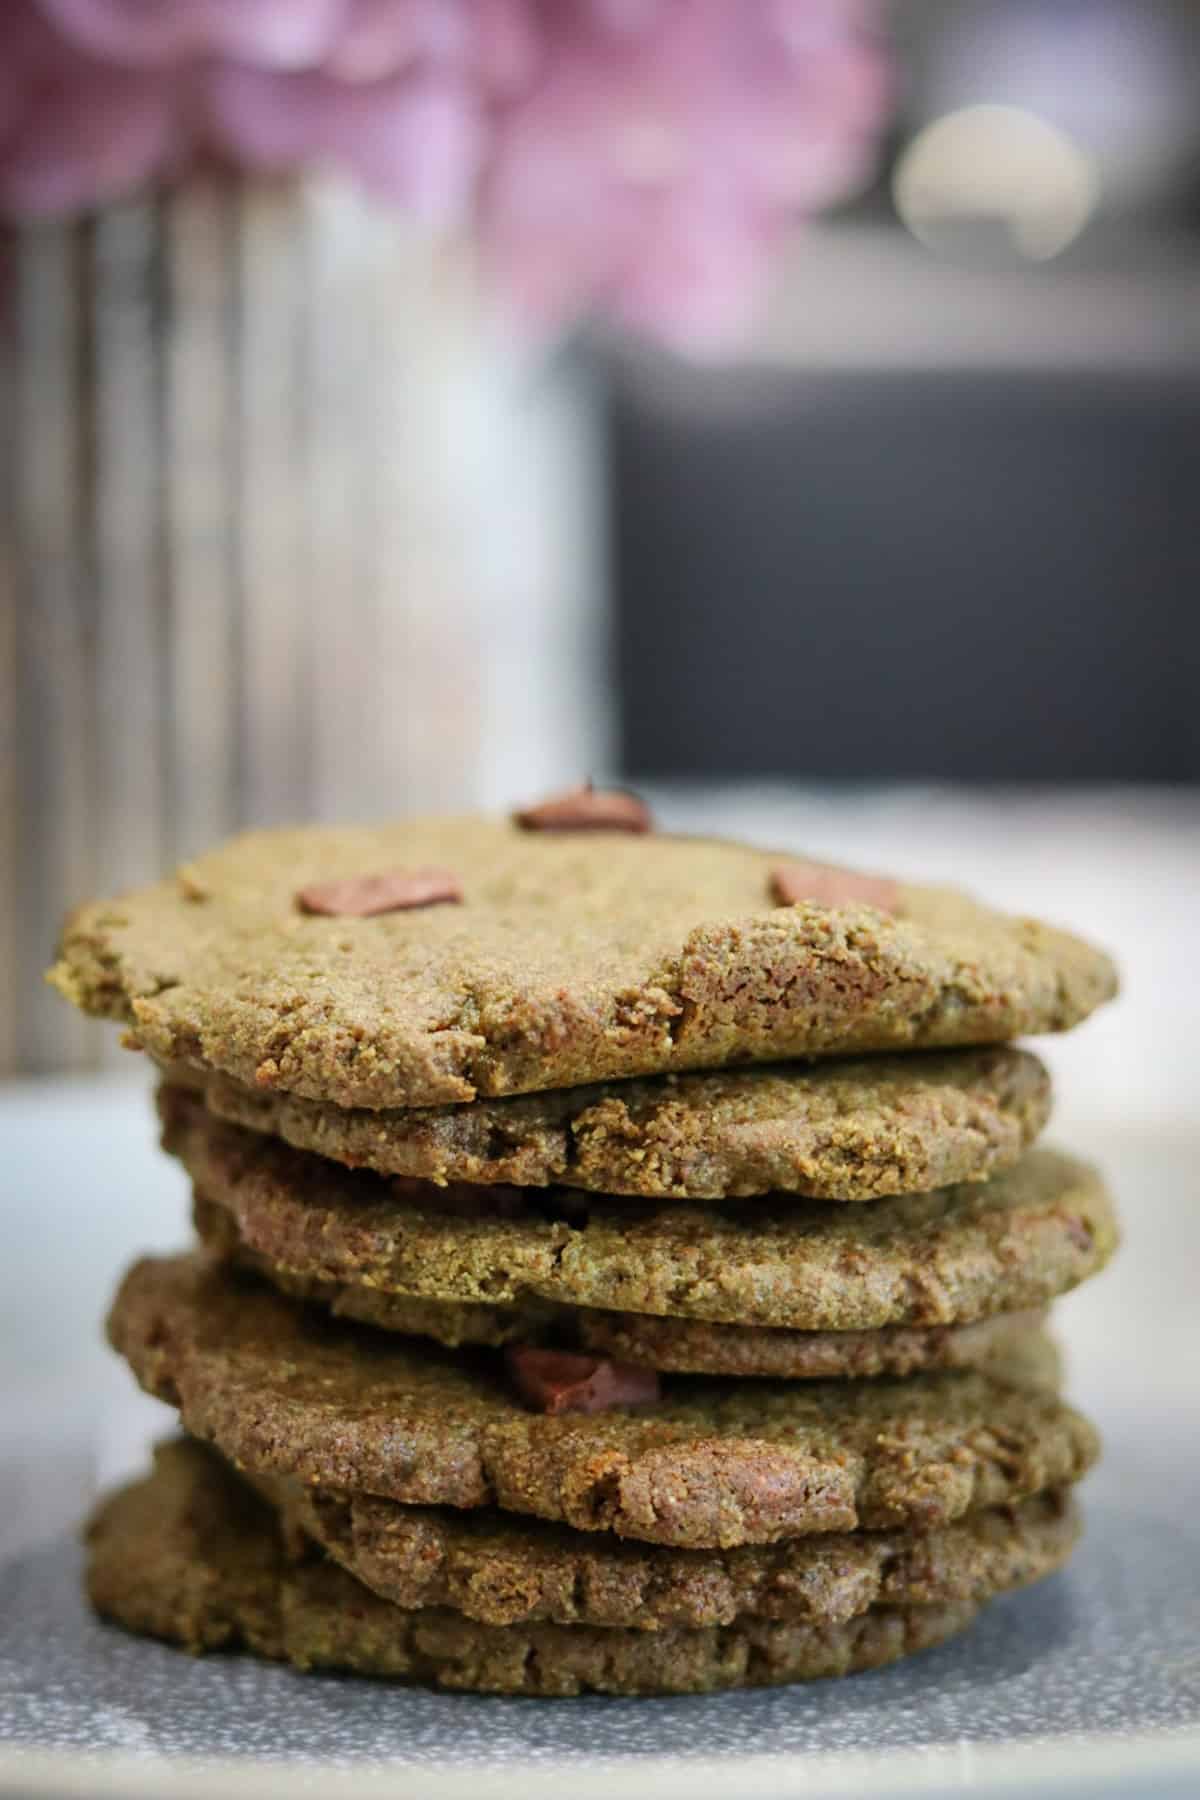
x=282, y=1392
x=506, y=1571
x=957, y=1254
x=682, y=1346
x=190, y=1555
x=853, y=1130
x=572, y=958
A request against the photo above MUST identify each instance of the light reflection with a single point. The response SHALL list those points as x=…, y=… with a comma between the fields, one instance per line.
x=996, y=166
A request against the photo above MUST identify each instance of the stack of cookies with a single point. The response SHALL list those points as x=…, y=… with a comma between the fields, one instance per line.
x=623, y=1259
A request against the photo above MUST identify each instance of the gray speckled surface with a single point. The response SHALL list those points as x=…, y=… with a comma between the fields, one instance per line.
x=1097, y=1670
x=1112, y=1643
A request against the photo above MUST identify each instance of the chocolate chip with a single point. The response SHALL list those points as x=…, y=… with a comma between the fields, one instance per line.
x=586, y=808
x=395, y=890
x=822, y=884
x=560, y=1381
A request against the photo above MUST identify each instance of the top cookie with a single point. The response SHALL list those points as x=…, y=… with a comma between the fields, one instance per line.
x=570, y=958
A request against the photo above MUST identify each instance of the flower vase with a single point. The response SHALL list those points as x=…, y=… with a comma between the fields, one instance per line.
x=288, y=529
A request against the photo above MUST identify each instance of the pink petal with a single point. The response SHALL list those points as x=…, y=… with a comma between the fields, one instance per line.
x=259, y=118
x=381, y=37
x=82, y=146
x=627, y=18
x=29, y=45
x=421, y=148
x=508, y=46
x=417, y=140
x=696, y=278
x=497, y=41
x=279, y=34
x=802, y=28
x=12, y=98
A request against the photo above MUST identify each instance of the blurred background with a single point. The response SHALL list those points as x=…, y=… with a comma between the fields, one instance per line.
x=876, y=536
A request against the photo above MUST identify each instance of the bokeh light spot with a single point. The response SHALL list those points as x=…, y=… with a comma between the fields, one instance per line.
x=988, y=167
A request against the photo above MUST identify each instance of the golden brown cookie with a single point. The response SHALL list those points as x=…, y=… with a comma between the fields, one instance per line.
x=190, y=1555
x=507, y=1571
x=282, y=1391
x=681, y=1346
x=846, y=1130
x=950, y=1257
x=572, y=957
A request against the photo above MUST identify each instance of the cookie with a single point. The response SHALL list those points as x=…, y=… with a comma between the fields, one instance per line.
x=190, y=1555
x=682, y=1346
x=855, y=1130
x=572, y=958
x=689, y=1346
x=950, y=1257
x=505, y=1571
x=282, y=1391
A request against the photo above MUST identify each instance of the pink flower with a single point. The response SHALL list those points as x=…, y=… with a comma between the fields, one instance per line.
x=665, y=147
x=416, y=139
x=275, y=34
x=98, y=97
x=640, y=156
x=399, y=96
x=75, y=131
x=350, y=40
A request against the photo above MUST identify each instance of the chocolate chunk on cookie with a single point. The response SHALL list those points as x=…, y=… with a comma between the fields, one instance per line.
x=581, y=957
x=283, y=1392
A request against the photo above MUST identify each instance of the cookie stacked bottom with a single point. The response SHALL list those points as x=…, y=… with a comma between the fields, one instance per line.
x=546, y=1441
x=410, y=1517
x=194, y=1556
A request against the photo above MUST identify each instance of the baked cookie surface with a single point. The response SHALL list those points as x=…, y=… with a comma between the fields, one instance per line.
x=680, y=1346
x=854, y=1130
x=281, y=1391
x=571, y=958
x=945, y=1258
x=505, y=1571
x=192, y=1556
